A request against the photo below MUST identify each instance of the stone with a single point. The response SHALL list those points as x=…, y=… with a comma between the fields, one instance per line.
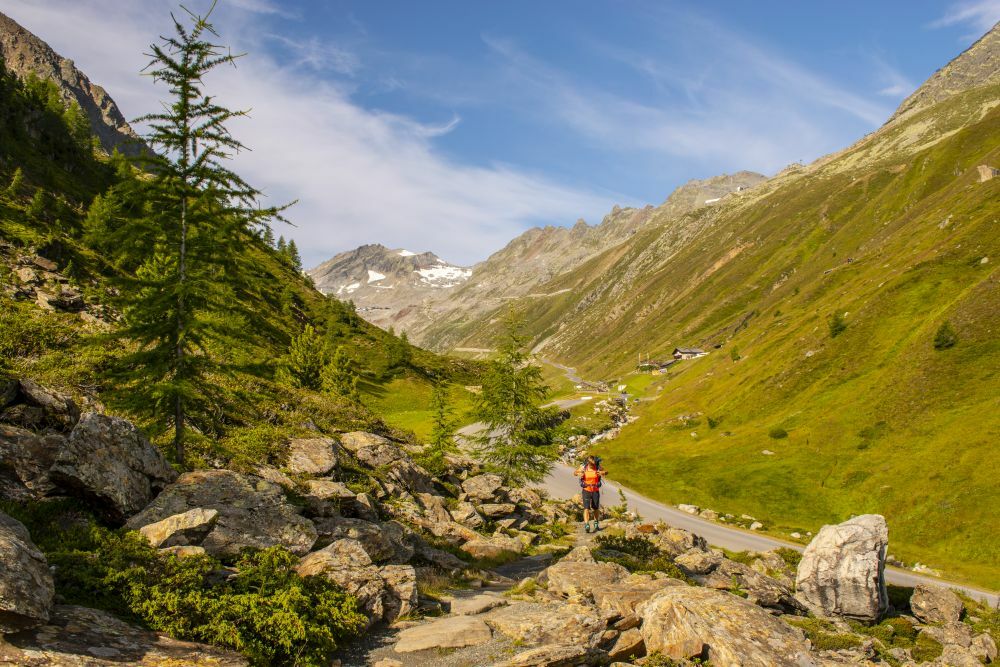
x=629, y=644
x=435, y=507
x=346, y=563
x=983, y=647
x=582, y=578
x=496, y=510
x=711, y=515
x=556, y=655
x=445, y=633
x=77, y=636
x=275, y=476
x=185, y=551
x=696, y=561
x=756, y=525
x=402, y=539
x=108, y=462
x=842, y=569
x=477, y=604
x=401, y=590
x=579, y=554
x=483, y=487
x=442, y=559
x=935, y=604
x=312, y=456
x=253, y=512
x=759, y=588
x=538, y=623
x=958, y=634
x=957, y=656
x=377, y=452
x=370, y=536
x=495, y=547
x=690, y=509
x=465, y=513
x=622, y=598
x=675, y=541
x=326, y=489
x=55, y=410
x=683, y=622
x=25, y=459
x=26, y=587
x=388, y=662
x=185, y=529
x=365, y=507
x=525, y=497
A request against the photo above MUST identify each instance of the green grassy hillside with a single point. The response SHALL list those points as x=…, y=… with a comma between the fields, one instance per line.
x=889, y=239
x=58, y=198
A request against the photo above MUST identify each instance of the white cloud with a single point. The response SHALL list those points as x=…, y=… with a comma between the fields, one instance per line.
x=360, y=176
x=980, y=15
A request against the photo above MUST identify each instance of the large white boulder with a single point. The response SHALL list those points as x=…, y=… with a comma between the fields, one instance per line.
x=842, y=569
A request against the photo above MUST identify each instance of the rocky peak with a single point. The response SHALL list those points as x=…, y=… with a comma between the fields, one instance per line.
x=25, y=54
x=979, y=65
x=697, y=193
x=373, y=268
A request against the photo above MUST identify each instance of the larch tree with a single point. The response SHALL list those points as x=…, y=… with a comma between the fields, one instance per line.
x=517, y=438
x=199, y=216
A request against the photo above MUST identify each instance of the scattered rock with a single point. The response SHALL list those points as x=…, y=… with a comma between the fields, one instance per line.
x=984, y=648
x=183, y=529
x=465, y=513
x=312, y=456
x=841, y=571
x=483, y=487
x=935, y=604
x=684, y=622
x=401, y=590
x=497, y=546
x=957, y=656
x=690, y=509
x=496, y=510
x=26, y=588
x=377, y=452
x=539, y=623
x=373, y=539
x=109, y=462
x=571, y=578
x=326, y=489
x=25, y=459
x=556, y=655
x=346, y=563
x=35, y=407
x=696, y=561
x=622, y=598
x=628, y=645
x=675, y=541
x=476, y=604
x=756, y=525
x=80, y=636
x=252, y=512
x=444, y=633
x=758, y=588
x=958, y=634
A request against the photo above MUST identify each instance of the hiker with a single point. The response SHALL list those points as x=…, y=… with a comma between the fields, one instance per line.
x=590, y=474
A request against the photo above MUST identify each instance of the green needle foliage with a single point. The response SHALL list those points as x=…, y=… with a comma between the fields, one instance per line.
x=339, y=377
x=306, y=360
x=196, y=218
x=945, y=337
x=443, y=431
x=518, y=435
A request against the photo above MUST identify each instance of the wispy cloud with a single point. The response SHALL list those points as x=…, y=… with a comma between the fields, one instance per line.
x=360, y=175
x=980, y=15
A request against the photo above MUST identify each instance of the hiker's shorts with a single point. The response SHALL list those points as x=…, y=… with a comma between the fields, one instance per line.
x=591, y=500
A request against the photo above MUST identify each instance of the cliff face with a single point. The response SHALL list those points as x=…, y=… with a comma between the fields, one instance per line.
x=25, y=54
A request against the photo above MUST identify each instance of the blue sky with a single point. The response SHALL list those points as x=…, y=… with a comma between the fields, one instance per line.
x=454, y=126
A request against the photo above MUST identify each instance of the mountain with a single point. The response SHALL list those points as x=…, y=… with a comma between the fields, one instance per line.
x=382, y=283
x=25, y=55
x=826, y=298
x=434, y=314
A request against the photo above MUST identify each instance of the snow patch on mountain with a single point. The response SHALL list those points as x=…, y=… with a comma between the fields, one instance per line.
x=375, y=276
x=348, y=288
x=444, y=275
x=406, y=253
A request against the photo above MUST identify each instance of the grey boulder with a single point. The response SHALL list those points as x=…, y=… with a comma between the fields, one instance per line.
x=26, y=588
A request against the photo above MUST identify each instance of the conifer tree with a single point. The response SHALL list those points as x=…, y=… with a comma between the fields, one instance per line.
x=14, y=189
x=339, y=377
x=293, y=255
x=268, y=236
x=306, y=360
x=517, y=439
x=282, y=246
x=443, y=431
x=198, y=218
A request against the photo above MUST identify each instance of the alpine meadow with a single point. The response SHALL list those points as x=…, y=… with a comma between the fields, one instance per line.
x=251, y=415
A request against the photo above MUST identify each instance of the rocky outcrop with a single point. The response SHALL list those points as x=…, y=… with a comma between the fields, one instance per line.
x=445, y=633
x=80, y=637
x=621, y=598
x=715, y=571
x=539, y=623
x=376, y=542
x=842, y=569
x=377, y=452
x=685, y=622
x=25, y=54
x=252, y=512
x=312, y=456
x=494, y=547
x=109, y=462
x=556, y=655
x=25, y=459
x=347, y=564
x=26, y=588
x=180, y=530
x=37, y=408
x=484, y=488
x=401, y=590
x=935, y=604
x=581, y=578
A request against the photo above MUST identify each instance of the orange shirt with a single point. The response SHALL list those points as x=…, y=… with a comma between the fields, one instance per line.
x=591, y=479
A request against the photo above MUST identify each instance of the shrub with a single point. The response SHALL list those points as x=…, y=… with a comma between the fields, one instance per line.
x=945, y=337
x=734, y=354
x=899, y=596
x=837, y=325
x=824, y=635
x=266, y=611
x=778, y=433
x=637, y=554
x=714, y=421
x=790, y=556
x=926, y=649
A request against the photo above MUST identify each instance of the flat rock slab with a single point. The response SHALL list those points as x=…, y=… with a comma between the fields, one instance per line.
x=538, y=623
x=450, y=632
x=559, y=655
x=477, y=604
x=77, y=636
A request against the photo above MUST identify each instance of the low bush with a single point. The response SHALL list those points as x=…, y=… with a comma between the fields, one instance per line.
x=824, y=635
x=926, y=649
x=637, y=554
x=945, y=337
x=777, y=433
x=265, y=611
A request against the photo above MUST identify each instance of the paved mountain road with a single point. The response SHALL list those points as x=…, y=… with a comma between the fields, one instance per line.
x=562, y=484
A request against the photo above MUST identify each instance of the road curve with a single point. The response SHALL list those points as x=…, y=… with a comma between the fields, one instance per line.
x=562, y=484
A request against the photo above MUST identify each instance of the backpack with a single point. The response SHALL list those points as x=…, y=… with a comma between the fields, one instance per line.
x=597, y=466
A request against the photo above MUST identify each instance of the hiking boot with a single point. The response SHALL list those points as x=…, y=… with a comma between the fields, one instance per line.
x=597, y=526
x=586, y=527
